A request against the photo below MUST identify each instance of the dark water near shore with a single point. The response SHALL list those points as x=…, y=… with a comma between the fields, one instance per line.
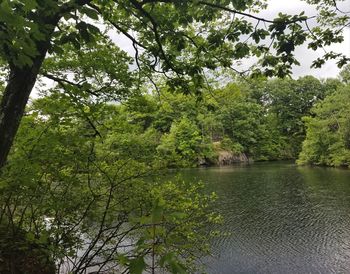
x=282, y=218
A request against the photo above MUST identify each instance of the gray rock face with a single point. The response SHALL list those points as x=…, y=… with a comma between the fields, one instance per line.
x=227, y=158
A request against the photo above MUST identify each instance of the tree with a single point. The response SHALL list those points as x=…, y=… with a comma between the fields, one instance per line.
x=179, y=39
x=259, y=117
x=182, y=146
x=290, y=100
x=345, y=75
x=244, y=121
x=328, y=132
x=83, y=203
x=331, y=16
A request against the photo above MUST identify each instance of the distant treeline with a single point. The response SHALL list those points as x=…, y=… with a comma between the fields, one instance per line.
x=263, y=119
x=307, y=120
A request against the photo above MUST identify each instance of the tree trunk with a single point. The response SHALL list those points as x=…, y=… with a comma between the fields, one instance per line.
x=19, y=86
x=14, y=100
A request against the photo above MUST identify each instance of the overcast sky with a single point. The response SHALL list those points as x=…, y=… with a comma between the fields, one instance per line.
x=303, y=54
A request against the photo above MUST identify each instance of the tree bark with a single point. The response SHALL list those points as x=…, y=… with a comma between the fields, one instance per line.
x=20, y=84
x=14, y=100
x=22, y=80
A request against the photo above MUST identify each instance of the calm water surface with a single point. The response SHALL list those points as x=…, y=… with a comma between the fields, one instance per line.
x=282, y=218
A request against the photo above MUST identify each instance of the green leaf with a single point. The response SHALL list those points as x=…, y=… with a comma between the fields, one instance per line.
x=137, y=265
x=30, y=5
x=157, y=213
x=30, y=236
x=122, y=259
x=90, y=13
x=176, y=267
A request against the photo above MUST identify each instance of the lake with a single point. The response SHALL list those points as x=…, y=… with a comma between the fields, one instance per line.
x=281, y=218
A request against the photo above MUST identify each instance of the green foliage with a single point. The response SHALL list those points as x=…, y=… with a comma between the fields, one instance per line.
x=229, y=145
x=327, y=139
x=242, y=122
x=260, y=118
x=179, y=40
x=99, y=72
x=183, y=37
x=177, y=211
x=182, y=146
x=332, y=17
x=24, y=247
x=80, y=181
x=289, y=100
x=345, y=75
x=87, y=183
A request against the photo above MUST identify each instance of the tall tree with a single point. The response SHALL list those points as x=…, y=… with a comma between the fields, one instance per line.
x=328, y=131
x=179, y=39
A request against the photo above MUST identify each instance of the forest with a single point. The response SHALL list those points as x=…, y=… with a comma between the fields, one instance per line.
x=85, y=160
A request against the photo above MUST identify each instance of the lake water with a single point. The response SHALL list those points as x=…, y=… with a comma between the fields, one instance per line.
x=281, y=218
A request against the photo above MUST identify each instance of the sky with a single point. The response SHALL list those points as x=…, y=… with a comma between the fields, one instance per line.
x=303, y=54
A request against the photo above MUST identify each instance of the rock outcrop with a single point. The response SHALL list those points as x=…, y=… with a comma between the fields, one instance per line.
x=228, y=158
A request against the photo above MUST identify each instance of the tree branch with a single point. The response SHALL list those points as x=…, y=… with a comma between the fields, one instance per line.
x=65, y=81
x=139, y=7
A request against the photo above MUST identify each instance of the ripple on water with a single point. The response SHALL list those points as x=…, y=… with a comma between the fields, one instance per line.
x=282, y=219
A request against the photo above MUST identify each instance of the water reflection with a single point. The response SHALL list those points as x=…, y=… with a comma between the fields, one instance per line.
x=282, y=218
